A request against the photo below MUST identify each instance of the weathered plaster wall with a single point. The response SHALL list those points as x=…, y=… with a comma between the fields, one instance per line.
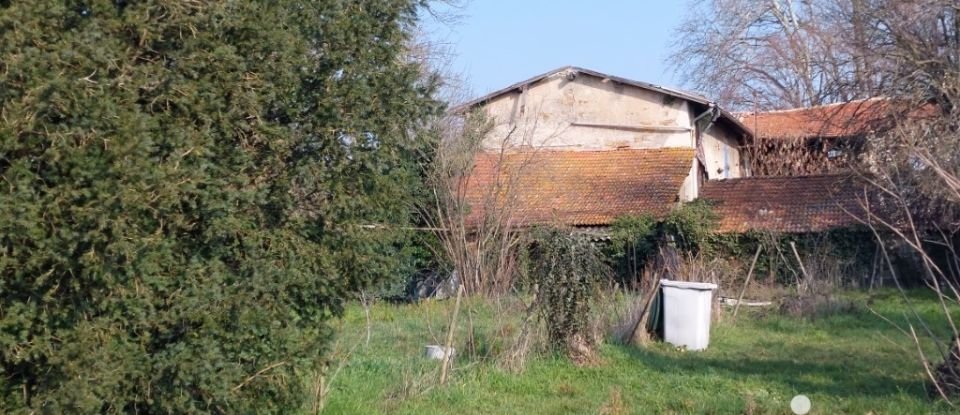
x=690, y=189
x=588, y=113
x=722, y=154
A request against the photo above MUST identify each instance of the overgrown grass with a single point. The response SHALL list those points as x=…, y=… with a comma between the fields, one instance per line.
x=846, y=363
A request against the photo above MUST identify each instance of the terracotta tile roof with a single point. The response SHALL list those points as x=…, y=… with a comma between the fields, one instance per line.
x=785, y=204
x=827, y=121
x=578, y=187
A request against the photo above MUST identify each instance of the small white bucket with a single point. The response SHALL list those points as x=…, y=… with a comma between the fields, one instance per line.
x=438, y=352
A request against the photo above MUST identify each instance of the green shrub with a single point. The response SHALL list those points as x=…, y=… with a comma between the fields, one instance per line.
x=185, y=188
x=692, y=226
x=634, y=240
x=849, y=253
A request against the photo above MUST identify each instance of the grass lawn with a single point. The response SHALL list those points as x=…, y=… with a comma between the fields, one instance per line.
x=845, y=363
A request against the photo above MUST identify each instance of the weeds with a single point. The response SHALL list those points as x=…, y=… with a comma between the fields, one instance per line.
x=846, y=363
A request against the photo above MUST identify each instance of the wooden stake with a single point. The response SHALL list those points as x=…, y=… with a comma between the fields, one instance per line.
x=639, y=335
x=746, y=282
x=319, y=394
x=453, y=326
x=806, y=277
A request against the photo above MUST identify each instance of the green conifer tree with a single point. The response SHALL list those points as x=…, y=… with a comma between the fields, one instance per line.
x=184, y=186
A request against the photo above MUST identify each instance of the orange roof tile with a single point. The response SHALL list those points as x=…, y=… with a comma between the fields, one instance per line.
x=577, y=187
x=827, y=121
x=785, y=204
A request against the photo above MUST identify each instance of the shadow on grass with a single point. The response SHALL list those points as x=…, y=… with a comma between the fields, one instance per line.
x=812, y=370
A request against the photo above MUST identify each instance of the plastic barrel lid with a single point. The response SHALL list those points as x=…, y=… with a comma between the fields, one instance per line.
x=689, y=285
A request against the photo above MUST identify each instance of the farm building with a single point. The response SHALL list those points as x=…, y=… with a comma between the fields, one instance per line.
x=815, y=140
x=578, y=147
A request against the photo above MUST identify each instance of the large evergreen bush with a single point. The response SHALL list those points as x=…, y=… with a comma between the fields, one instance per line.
x=184, y=189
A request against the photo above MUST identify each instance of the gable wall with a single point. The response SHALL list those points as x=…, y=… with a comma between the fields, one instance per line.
x=589, y=114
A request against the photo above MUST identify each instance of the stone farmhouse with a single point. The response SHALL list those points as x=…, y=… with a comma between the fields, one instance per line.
x=578, y=147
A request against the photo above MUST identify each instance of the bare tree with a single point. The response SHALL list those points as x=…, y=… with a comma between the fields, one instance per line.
x=921, y=154
x=915, y=166
x=474, y=209
x=473, y=212
x=773, y=54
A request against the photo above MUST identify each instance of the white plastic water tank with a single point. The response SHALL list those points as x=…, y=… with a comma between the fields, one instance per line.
x=686, y=313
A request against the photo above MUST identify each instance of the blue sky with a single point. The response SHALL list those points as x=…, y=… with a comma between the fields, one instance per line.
x=496, y=43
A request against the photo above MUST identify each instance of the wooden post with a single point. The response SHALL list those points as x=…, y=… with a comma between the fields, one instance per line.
x=806, y=277
x=453, y=326
x=736, y=308
x=639, y=335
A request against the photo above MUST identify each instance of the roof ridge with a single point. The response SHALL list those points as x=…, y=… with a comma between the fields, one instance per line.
x=803, y=176
x=812, y=107
x=610, y=150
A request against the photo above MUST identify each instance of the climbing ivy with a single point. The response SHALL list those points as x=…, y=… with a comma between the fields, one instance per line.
x=634, y=240
x=565, y=275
